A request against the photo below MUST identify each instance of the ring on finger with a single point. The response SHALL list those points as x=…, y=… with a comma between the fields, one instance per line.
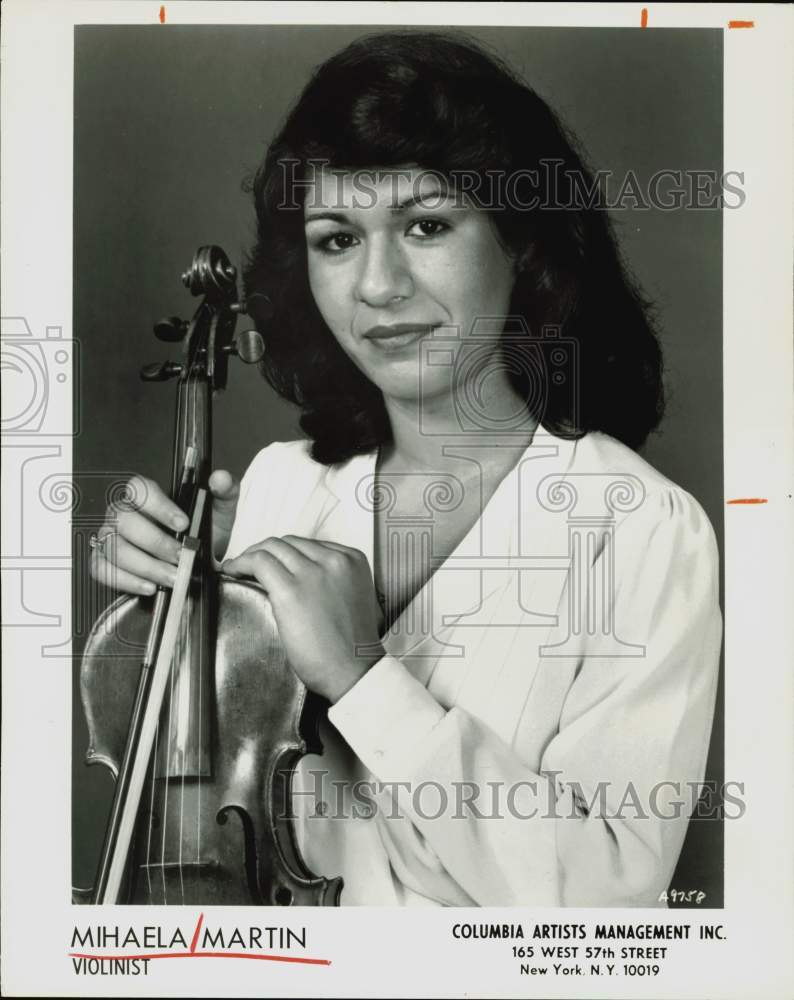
x=99, y=543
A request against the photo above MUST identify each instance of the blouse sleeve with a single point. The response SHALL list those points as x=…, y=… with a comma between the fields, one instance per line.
x=602, y=821
x=265, y=489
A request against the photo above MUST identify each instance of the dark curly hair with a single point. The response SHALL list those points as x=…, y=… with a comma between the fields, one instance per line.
x=440, y=102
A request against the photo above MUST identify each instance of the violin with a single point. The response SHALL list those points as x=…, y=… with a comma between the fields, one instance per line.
x=203, y=739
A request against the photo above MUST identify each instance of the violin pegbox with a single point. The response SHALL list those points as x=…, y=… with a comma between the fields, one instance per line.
x=209, y=338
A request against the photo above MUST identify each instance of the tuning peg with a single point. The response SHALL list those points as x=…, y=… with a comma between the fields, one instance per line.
x=257, y=306
x=160, y=371
x=248, y=346
x=170, y=329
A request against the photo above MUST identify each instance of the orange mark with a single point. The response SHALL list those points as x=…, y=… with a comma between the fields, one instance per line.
x=644, y=18
x=749, y=500
x=741, y=24
x=162, y=15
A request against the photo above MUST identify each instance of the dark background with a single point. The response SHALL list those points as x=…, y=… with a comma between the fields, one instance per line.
x=169, y=122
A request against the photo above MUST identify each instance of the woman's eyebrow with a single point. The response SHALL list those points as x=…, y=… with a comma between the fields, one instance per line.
x=329, y=216
x=437, y=194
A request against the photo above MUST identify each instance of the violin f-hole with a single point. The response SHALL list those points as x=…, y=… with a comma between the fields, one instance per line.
x=249, y=847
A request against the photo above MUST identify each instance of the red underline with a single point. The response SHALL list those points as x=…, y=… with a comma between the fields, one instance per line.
x=748, y=500
x=208, y=954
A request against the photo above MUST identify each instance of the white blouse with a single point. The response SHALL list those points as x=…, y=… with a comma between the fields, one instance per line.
x=538, y=729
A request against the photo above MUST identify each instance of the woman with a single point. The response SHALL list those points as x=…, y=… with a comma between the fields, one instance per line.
x=512, y=615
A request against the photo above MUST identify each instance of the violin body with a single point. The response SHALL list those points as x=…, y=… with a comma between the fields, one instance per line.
x=224, y=837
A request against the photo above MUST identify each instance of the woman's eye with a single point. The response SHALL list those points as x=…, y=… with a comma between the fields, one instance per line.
x=337, y=242
x=426, y=228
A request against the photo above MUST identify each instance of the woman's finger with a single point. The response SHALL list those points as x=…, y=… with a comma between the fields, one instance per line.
x=288, y=555
x=145, y=535
x=264, y=567
x=318, y=550
x=117, y=551
x=118, y=579
x=293, y=557
x=225, y=491
x=146, y=496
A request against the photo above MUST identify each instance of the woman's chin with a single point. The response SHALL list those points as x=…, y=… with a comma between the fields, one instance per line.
x=407, y=380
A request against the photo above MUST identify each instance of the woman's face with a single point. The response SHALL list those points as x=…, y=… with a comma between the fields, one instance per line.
x=395, y=259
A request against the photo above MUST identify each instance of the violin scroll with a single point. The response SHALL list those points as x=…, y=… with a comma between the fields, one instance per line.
x=209, y=337
x=210, y=274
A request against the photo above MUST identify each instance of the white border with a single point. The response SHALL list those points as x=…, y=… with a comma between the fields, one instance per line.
x=381, y=952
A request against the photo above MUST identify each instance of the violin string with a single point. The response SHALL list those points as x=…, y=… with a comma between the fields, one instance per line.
x=200, y=453
x=189, y=448
x=193, y=607
x=177, y=659
x=198, y=609
x=201, y=607
x=151, y=812
x=167, y=779
x=201, y=450
x=156, y=748
x=184, y=651
x=183, y=675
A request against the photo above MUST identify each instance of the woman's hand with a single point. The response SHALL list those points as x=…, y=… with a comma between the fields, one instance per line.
x=137, y=552
x=324, y=603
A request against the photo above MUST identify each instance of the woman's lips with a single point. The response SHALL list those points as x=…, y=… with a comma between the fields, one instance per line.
x=392, y=338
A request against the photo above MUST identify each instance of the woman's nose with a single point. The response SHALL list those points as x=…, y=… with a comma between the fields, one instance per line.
x=384, y=275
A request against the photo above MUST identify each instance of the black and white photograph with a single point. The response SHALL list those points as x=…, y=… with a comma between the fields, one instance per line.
x=395, y=502
x=462, y=368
